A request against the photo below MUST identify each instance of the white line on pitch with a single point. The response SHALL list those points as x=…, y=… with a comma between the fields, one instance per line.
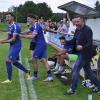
x=22, y=84
x=32, y=91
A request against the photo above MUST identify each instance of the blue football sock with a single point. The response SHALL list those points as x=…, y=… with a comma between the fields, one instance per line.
x=20, y=66
x=9, y=69
x=35, y=73
x=49, y=73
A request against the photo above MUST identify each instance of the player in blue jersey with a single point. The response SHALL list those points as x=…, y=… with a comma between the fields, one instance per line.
x=32, y=42
x=40, y=48
x=15, y=46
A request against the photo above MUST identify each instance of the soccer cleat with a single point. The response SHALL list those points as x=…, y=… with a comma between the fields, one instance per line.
x=6, y=81
x=28, y=75
x=95, y=90
x=48, y=79
x=70, y=92
x=59, y=71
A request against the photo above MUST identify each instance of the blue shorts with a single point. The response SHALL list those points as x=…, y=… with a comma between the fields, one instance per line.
x=40, y=52
x=14, y=53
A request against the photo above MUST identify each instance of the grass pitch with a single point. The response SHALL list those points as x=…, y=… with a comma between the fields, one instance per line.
x=45, y=91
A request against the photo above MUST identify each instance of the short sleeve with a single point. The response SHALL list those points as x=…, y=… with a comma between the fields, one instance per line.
x=36, y=28
x=17, y=29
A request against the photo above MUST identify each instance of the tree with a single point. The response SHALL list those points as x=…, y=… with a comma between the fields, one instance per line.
x=23, y=10
x=43, y=10
x=56, y=17
x=97, y=5
x=40, y=9
x=11, y=9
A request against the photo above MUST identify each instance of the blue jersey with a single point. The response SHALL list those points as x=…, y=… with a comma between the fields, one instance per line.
x=15, y=46
x=14, y=29
x=31, y=29
x=40, y=40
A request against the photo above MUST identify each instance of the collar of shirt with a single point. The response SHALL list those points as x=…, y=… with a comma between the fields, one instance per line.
x=11, y=24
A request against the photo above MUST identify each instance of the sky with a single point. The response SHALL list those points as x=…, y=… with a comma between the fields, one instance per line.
x=5, y=4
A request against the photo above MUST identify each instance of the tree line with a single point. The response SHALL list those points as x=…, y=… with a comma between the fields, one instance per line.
x=40, y=10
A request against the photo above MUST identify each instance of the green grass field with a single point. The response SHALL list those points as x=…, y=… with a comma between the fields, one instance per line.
x=45, y=91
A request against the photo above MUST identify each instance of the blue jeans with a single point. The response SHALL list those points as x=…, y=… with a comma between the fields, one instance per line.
x=76, y=71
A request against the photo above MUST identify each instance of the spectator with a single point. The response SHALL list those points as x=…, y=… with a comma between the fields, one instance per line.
x=72, y=27
x=83, y=39
x=62, y=29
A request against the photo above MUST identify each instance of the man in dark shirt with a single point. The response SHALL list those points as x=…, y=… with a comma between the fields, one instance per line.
x=83, y=40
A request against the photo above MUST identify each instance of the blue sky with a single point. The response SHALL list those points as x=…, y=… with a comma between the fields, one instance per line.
x=5, y=4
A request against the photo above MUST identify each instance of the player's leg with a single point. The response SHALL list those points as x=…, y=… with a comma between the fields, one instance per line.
x=57, y=64
x=49, y=74
x=9, y=68
x=43, y=55
x=31, y=48
x=35, y=67
x=61, y=64
x=13, y=57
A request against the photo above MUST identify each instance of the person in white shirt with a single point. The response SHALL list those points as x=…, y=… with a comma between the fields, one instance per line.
x=62, y=29
x=72, y=27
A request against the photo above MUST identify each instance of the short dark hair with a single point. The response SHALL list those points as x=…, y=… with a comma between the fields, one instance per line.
x=31, y=16
x=82, y=18
x=62, y=38
x=9, y=13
